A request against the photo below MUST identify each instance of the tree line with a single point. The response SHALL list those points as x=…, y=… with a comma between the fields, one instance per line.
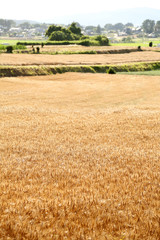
x=148, y=26
x=59, y=33
x=7, y=24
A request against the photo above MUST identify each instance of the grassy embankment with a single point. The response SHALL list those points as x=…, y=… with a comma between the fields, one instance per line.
x=7, y=71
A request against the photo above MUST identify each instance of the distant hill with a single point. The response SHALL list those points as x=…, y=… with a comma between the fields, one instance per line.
x=134, y=15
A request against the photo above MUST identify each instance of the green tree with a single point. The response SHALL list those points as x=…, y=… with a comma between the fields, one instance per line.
x=157, y=27
x=25, y=25
x=74, y=29
x=64, y=34
x=91, y=28
x=119, y=26
x=78, y=24
x=58, y=33
x=2, y=22
x=10, y=23
x=148, y=26
x=98, y=30
x=57, y=36
x=127, y=40
x=129, y=25
x=108, y=26
x=52, y=29
x=7, y=23
x=128, y=31
x=103, y=40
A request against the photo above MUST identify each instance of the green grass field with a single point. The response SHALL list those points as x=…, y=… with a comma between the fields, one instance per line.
x=10, y=42
x=137, y=42
x=149, y=73
x=14, y=42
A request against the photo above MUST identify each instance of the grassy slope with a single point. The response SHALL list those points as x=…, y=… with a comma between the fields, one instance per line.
x=8, y=71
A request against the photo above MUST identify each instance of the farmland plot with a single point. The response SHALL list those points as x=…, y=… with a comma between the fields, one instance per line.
x=72, y=48
x=80, y=59
x=79, y=157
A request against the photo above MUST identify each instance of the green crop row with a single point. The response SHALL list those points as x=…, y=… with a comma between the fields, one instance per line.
x=15, y=47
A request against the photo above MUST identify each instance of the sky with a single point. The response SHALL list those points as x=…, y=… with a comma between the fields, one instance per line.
x=48, y=9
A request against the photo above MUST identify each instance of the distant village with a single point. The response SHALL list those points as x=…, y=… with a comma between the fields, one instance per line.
x=117, y=32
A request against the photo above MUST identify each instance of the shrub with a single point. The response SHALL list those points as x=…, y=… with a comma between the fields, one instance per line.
x=9, y=49
x=139, y=48
x=72, y=39
x=58, y=43
x=102, y=40
x=98, y=38
x=84, y=37
x=57, y=36
x=85, y=43
x=53, y=28
x=111, y=71
x=58, y=33
x=28, y=43
x=74, y=29
x=62, y=35
x=127, y=40
x=17, y=47
x=2, y=47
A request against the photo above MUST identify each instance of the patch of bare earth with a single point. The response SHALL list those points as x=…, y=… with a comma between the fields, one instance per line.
x=80, y=157
x=78, y=59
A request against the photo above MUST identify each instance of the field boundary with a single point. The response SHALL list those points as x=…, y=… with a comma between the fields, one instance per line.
x=33, y=70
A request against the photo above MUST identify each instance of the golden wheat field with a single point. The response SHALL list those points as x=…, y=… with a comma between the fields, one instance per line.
x=79, y=59
x=80, y=157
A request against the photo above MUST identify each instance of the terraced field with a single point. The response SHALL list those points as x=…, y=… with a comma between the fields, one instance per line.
x=79, y=59
x=72, y=48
